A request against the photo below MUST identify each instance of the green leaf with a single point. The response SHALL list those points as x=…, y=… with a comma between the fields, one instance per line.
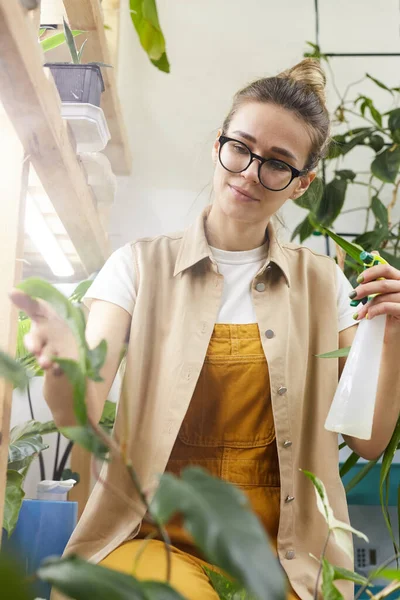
x=376, y=142
x=162, y=63
x=22, y=449
x=87, y=438
x=385, y=165
x=13, y=582
x=332, y=201
x=29, y=428
x=81, y=580
x=57, y=40
x=379, y=83
x=13, y=500
x=329, y=591
x=340, y=573
x=352, y=250
x=360, y=475
x=394, y=124
x=81, y=289
x=356, y=140
x=226, y=588
x=145, y=20
x=390, y=258
x=387, y=460
x=68, y=474
x=312, y=196
x=303, y=230
x=108, y=416
x=346, y=174
x=371, y=240
x=349, y=464
x=228, y=533
x=96, y=358
x=80, y=52
x=340, y=353
x=13, y=371
x=316, y=53
x=69, y=38
x=340, y=529
x=78, y=380
x=391, y=574
x=380, y=212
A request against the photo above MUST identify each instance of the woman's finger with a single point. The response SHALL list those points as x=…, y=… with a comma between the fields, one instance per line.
x=383, y=286
x=28, y=305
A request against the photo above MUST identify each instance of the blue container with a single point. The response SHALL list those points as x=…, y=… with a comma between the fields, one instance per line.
x=43, y=529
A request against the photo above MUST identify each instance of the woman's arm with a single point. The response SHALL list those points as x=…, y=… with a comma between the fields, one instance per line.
x=106, y=321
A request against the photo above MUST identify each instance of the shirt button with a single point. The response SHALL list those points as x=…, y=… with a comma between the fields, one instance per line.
x=269, y=267
x=289, y=499
x=287, y=444
x=269, y=334
x=260, y=287
x=282, y=390
x=290, y=554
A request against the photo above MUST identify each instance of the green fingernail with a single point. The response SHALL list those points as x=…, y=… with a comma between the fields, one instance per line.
x=355, y=316
x=360, y=278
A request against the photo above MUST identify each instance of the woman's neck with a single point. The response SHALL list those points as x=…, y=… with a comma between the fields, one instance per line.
x=234, y=236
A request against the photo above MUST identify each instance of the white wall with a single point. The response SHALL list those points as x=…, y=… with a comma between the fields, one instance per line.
x=216, y=47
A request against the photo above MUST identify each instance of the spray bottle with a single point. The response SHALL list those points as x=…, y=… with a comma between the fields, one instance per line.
x=352, y=409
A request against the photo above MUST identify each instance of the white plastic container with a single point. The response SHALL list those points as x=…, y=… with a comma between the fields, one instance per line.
x=54, y=490
x=88, y=124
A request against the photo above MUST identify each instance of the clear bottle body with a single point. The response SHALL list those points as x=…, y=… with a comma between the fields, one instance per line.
x=352, y=409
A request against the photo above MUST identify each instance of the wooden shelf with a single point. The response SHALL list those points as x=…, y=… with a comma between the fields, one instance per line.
x=32, y=104
x=87, y=16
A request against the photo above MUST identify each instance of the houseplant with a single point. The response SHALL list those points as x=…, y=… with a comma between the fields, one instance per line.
x=75, y=81
x=215, y=512
x=325, y=203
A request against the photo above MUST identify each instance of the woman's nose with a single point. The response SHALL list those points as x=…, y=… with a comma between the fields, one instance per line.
x=251, y=173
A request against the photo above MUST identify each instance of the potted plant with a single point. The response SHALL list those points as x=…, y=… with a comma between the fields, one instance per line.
x=75, y=81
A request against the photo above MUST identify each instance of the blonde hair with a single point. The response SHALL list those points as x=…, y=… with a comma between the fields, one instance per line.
x=301, y=90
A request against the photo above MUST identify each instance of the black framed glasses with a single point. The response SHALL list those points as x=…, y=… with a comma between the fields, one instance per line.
x=273, y=174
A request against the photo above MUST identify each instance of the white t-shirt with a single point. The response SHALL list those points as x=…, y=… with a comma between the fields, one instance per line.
x=116, y=283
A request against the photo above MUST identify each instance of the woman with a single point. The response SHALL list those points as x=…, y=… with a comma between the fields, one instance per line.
x=224, y=324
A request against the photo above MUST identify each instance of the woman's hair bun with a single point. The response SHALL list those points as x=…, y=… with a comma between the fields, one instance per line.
x=310, y=73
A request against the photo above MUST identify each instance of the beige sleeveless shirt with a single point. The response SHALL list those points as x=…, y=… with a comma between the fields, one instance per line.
x=179, y=294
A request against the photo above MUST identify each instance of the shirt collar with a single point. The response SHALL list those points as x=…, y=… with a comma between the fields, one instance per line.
x=194, y=248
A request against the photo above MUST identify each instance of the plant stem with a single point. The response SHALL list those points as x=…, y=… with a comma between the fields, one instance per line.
x=356, y=114
x=56, y=456
x=116, y=450
x=369, y=203
x=393, y=201
x=320, y=566
x=63, y=460
x=41, y=461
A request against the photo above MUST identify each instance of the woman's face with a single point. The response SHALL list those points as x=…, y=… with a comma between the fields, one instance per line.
x=271, y=132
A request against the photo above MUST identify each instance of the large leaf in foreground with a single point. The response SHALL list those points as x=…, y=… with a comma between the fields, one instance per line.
x=218, y=517
x=81, y=580
x=13, y=584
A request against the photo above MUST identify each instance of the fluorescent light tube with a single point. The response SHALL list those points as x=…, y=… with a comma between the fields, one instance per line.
x=45, y=241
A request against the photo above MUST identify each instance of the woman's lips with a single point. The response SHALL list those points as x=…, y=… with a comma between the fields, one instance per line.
x=242, y=194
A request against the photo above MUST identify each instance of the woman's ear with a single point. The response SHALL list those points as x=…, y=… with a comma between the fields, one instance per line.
x=303, y=185
x=215, y=148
